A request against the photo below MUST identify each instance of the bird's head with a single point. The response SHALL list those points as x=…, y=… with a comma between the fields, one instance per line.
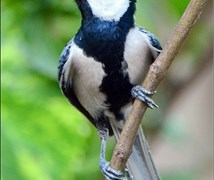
x=109, y=10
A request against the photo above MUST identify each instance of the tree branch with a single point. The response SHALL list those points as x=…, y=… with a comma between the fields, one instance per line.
x=156, y=73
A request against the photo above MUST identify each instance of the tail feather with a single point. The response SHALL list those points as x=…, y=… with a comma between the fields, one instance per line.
x=140, y=164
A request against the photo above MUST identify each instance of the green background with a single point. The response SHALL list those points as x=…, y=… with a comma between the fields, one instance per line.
x=43, y=137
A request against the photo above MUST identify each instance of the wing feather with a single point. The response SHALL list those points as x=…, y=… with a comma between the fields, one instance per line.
x=152, y=41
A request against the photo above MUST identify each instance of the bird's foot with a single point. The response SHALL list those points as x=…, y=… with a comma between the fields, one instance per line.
x=112, y=174
x=141, y=94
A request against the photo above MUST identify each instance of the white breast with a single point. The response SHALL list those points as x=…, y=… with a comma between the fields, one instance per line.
x=138, y=56
x=88, y=75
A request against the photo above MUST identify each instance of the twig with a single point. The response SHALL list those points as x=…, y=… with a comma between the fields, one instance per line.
x=156, y=73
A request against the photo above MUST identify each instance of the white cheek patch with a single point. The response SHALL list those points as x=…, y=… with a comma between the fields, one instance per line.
x=109, y=10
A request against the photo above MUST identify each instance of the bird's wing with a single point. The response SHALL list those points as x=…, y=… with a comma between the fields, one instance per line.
x=65, y=76
x=152, y=41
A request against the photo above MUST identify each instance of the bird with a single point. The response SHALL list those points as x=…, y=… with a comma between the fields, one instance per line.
x=99, y=72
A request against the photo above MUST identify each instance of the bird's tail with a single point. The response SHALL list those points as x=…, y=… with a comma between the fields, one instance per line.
x=140, y=164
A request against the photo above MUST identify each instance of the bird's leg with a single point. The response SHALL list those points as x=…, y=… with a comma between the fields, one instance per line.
x=109, y=173
x=141, y=94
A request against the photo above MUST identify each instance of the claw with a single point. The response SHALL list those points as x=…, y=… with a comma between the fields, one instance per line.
x=140, y=93
x=112, y=174
x=108, y=172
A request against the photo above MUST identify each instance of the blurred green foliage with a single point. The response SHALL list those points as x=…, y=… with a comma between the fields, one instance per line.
x=43, y=137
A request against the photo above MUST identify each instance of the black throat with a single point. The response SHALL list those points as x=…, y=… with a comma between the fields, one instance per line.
x=105, y=42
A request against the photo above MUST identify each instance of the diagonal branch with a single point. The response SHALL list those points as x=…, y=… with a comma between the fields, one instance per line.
x=156, y=73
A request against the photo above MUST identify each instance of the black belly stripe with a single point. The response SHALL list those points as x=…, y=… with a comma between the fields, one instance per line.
x=105, y=42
